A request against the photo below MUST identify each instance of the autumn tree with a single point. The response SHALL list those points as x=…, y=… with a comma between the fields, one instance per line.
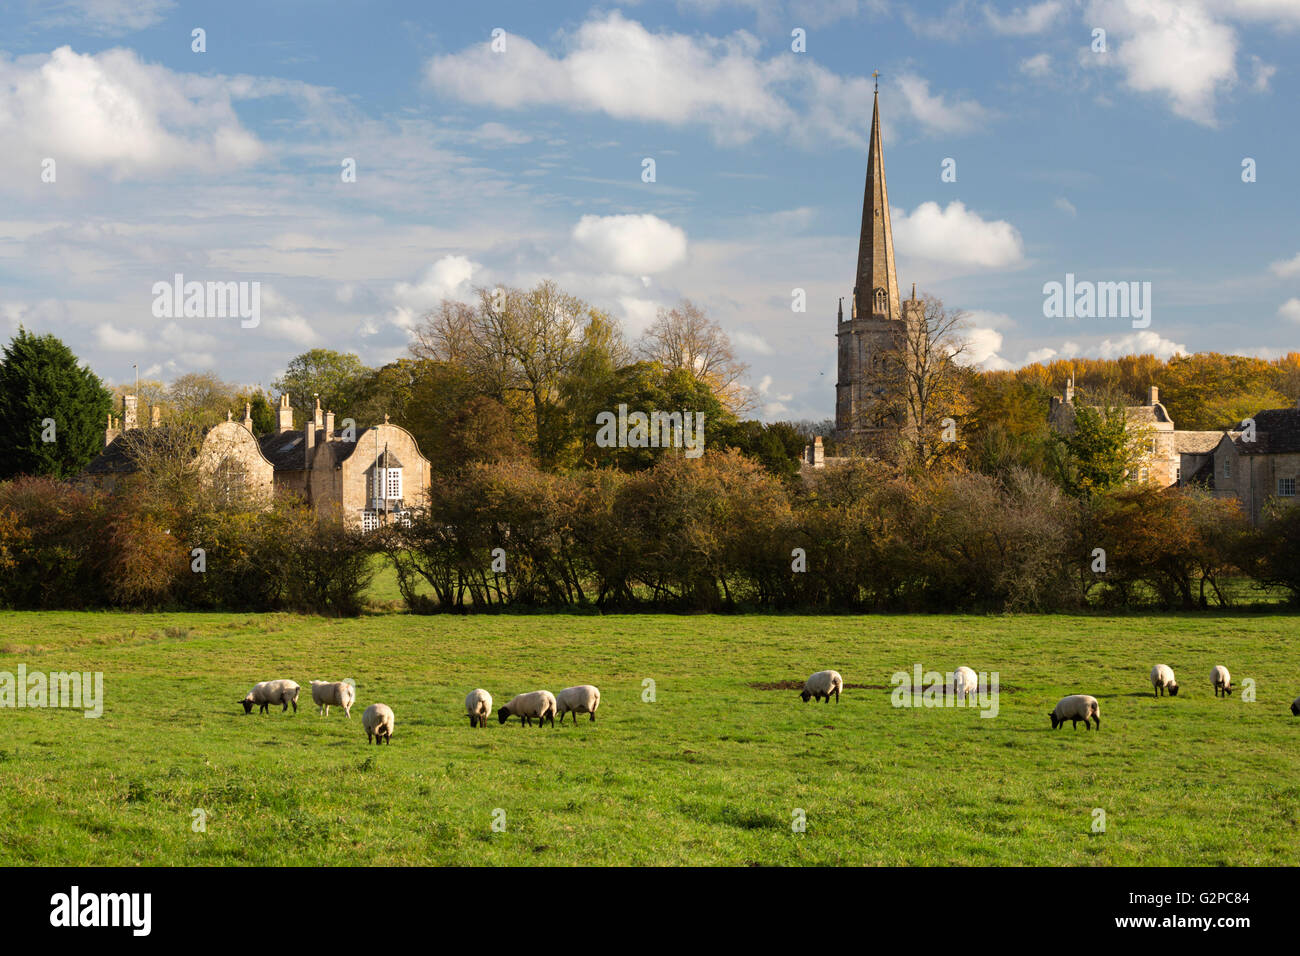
x=684, y=337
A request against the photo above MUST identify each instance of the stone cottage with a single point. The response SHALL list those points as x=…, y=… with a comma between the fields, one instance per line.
x=370, y=476
x=1258, y=464
x=1160, y=461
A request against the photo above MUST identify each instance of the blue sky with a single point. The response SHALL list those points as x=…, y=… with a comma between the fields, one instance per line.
x=478, y=167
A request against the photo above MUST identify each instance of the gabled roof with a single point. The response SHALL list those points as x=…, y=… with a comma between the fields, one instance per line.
x=1277, y=432
x=1196, y=442
x=120, y=457
x=285, y=450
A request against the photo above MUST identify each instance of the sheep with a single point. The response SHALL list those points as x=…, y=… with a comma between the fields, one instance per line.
x=342, y=694
x=1221, y=680
x=964, y=682
x=283, y=692
x=583, y=699
x=378, y=721
x=538, y=703
x=1075, y=708
x=822, y=684
x=478, y=704
x=1295, y=707
x=1162, y=679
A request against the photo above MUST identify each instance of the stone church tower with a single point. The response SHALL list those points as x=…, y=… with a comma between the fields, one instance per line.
x=873, y=339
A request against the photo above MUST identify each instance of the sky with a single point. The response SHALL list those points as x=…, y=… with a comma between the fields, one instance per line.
x=504, y=143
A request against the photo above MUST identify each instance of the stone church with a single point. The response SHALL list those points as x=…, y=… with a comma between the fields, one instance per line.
x=873, y=337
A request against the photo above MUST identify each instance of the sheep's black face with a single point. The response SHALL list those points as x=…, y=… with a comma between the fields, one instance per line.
x=248, y=706
x=805, y=695
x=503, y=715
x=1052, y=714
x=1295, y=710
x=1173, y=690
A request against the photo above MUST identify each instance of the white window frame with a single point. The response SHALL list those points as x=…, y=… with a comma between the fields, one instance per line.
x=393, y=483
x=369, y=520
x=1290, y=483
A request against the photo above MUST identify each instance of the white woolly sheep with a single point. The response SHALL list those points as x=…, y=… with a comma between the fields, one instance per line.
x=964, y=682
x=583, y=699
x=1221, y=680
x=478, y=704
x=378, y=721
x=822, y=685
x=538, y=703
x=325, y=694
x=1162, y=680
x=268, y=692
x=1295, y=707
x=1075, y=708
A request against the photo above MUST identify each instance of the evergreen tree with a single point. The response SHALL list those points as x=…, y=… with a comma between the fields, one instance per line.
x=53, y=410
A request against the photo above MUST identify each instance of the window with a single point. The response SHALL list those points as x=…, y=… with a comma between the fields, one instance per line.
x=393, y=483
x=1144, y=474
x=369, y=520
x=1227, y=468
x=1286, y=487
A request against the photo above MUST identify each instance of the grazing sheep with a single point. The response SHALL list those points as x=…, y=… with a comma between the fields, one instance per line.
x=1075, y=708
x=1221, y=680
x=822, y=684
x=583, y=699
x=268, y=692
x=964, y=682
x=342, y=694
x=478, y=704
x=378, y=721
x=538, y=703
x=1162, y=679
x=1295, y=707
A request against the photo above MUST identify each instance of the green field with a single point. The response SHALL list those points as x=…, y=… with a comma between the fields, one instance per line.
x=711, y=772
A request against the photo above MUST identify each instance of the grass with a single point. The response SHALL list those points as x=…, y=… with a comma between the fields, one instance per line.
x=711, y=772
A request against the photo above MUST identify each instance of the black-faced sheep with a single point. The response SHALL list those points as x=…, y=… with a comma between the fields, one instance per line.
x=478, y=704
x=582, y=699
x=268, y=692
x=378, y=721
x=1162, y=679
x=341, y=694
x=538, y=703
x=1221, y=680
x=1075, y=708
x=822, y=685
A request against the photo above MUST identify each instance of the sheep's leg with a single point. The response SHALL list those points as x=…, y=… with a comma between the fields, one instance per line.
x=837, y=695
x=1074, y=725
x=593, y=716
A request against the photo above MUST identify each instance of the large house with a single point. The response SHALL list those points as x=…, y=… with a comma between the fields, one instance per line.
x=370, y=476
x=1256, y=462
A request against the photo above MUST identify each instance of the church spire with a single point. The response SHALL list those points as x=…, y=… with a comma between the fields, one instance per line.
x=876, y=244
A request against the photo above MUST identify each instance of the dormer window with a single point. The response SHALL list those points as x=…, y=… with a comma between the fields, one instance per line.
x=384, y=482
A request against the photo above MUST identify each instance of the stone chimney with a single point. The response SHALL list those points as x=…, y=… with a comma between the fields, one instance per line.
x=248, y=415
x=155, y=416
x=110, y=432
x=1069, y=391
x=320, y=416
x=128, y=411
x=286, y=414
x=818, y=453
x=329, y=426
x=1154, y=397
x=309, y=445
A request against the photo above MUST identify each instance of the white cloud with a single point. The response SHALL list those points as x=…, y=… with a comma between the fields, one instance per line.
x=498, y=134
x=112, y=112
x=638, y=314
x=633, y=244
x=752, y=342
x=1290, y=310
x=1169, y=47
x=1065, y=206
x=1025, y=21
x=956, y=234
x=448, y=278
x=1040, y=355
x=982, y=346
x=1038, y=66
x=110, y=337
x=1139, y=343
x=1287, y=267
x=615, y=66
x=105, y=17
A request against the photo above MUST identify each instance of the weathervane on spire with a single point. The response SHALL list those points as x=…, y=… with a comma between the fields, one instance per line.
x=875, y=74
